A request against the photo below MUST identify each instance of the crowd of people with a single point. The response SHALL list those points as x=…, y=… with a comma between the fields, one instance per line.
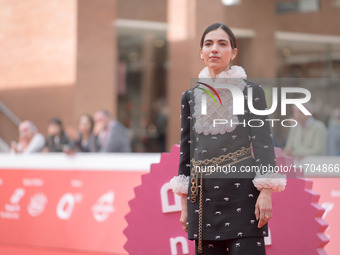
x=97, y=133
x=311, y=137
x=100, y=133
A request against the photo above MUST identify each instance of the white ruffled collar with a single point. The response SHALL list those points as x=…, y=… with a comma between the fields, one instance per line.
x=233, y=72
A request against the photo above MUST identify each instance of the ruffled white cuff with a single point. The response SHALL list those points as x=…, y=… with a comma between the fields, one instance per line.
x=180, y=184
x=276, y=182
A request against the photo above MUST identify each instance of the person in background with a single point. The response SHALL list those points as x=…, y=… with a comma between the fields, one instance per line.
x=308, y=138
x=86, y=140
x=57, y=140
x=161, y=123
x=30, y=140
x=333, y=134
x=112, y=135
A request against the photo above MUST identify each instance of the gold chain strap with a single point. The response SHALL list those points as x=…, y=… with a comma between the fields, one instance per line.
x=223, y=158
x=194, y=183
x=200, y=219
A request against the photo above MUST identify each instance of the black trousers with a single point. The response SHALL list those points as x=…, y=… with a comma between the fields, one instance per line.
x=238, y=246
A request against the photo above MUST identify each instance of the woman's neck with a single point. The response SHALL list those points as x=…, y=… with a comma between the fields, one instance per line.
x=214, y=72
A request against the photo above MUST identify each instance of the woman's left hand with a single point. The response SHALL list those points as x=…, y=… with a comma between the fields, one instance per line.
x=263, y=207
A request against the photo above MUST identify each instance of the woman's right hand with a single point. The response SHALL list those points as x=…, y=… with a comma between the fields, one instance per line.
x=184, y=213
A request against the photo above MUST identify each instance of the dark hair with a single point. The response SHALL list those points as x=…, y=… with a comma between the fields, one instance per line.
x=105, y=112
x=90, y=120
x=225, y=28
x=58, y=122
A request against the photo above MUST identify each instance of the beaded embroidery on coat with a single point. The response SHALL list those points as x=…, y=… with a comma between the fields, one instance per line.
x=204, y=123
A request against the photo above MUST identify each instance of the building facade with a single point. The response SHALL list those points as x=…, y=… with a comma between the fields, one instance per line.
x=62, y=58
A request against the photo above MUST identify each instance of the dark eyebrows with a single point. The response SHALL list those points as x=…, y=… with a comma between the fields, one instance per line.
x=220, y=40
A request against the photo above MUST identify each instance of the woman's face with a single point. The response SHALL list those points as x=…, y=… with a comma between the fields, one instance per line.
x=84, y=125
x=216, y=51
x=53, y=130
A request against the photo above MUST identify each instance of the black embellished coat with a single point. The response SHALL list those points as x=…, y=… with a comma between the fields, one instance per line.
x=228, y=203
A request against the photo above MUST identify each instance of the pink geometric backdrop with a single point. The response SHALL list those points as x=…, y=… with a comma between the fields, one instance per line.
x=296, y=228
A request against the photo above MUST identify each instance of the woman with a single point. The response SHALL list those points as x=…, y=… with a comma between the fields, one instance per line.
x=57, y=140
x=333, y=134
x=87, y=141
x=225, y=213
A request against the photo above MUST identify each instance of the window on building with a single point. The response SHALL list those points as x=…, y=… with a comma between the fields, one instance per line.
x=141, y=85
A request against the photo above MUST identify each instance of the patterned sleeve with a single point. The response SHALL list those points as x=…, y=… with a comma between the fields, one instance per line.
x=262, y=145
x=180, y=183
